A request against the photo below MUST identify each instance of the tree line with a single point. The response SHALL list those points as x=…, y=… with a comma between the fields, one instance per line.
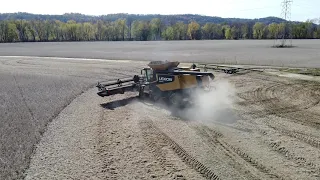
x=186, y=18
x=123, y=29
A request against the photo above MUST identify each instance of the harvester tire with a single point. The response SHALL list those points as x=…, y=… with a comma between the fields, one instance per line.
x=141, y=93
x=156, y=95
x=175, y=99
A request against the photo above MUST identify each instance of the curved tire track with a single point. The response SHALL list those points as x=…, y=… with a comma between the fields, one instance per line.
x=278, y=99
x=291, y=101
x=285, y=151
x=213, y=138
x=300, y=161
x=155, y=138
x=306, y=138
x=268, y=97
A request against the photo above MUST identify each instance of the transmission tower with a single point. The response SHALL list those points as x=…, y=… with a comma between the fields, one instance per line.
x=286, y=33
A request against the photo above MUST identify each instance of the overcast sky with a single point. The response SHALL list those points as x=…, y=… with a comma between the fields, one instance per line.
x=301, y=9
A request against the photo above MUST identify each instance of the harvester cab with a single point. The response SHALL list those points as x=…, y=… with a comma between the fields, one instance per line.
x=161, y=80
x=147, y=74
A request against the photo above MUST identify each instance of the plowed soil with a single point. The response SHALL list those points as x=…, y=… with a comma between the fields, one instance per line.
x=305, y=52
x=255, y=125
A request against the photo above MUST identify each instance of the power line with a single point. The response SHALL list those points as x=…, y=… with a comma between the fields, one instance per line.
x=286, y=7
x=286, y=15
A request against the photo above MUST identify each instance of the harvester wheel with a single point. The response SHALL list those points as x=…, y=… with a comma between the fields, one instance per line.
x=141, y=93
x=175, y=99
x=156, y=94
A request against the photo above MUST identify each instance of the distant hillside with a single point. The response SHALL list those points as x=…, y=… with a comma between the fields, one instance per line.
x=26, y=27
x=186, y=18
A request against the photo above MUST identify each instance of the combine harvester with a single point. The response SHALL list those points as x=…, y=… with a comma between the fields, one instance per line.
x=162, y=81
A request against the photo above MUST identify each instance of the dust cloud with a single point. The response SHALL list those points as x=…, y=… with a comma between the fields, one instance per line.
x=216, y=105
x=213, y=106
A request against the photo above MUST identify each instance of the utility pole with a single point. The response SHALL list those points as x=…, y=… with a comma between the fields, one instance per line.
x=286, y=15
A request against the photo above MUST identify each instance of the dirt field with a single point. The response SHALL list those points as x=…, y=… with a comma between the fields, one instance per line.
x=217, y=51
x=32, y=92
x=255, y=125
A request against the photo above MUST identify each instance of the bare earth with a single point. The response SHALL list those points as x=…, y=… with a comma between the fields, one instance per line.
x=256, y=125
x=33, y=91
x=256, y=52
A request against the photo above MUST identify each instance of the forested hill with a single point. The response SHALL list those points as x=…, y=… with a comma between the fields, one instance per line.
x=168, y=19
x=23, y=27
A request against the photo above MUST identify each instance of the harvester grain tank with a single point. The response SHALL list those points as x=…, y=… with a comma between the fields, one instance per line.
x=162, y=80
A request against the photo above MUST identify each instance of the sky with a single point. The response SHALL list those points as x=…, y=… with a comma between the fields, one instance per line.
x=301, y=10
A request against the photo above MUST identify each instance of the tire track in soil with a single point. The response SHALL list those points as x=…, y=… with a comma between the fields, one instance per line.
x=282, y=99
x=23, y=97
x=213, y=138
x=277, y=147
x=122, y=146
x=306, y=138
x=156, y=149
x=282, y=150
x=156, y=139
x=268, y=98
x=286, y=153
x=263, y=77
x=299, y=117
x=300, y=161
x=295, y=113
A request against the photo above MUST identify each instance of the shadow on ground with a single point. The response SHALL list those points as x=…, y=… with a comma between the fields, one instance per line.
x=118, y=103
